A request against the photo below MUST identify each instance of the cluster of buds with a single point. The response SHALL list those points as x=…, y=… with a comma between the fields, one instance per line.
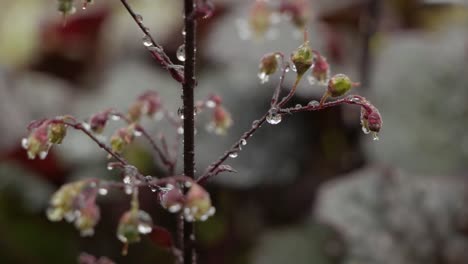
x=132, y=225
x=149, y=103
x=98, y=121
x=123, y=137
x=76, y=202
x=43, y=134
x=195, y=204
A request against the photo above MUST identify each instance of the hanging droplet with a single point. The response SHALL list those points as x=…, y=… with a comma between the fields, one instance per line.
x=144, y=228
x=210, y=104
x=243, y=142
x=115, y=117
x=180, y=130
x=103, y=191
x=263, y=77
x=110, y=167
x=174, y=208
x=273, y=118
x=298, y=106
x=137, y=133
x=293, y=68
x=127, y=180
x=233, y=154
x=313, y=103
x=365, y=130
x=24, y=143
x=184, y=32
x=128, y=189
x=139, y=18
x=375, y=136
x=354, y=99
x=181, y=53
x=287, y=69
x=43, y=154
x=147, y=41
x=86, y=126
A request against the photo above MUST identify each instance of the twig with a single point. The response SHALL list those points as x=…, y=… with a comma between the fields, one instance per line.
x=157, y=51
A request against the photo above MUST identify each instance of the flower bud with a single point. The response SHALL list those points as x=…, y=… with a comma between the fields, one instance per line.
x=147, y=104
x=221, y=121
x=339, y=85
x=62, y=203
x=98, y=121
x=302, y=58
x=297, y=10
x=173, y=200
x=371, y=120
x=38, y=141
x=133, y=223
x=66, y=7
x=320, y=71
x=57, y=132
x=268, y=66
x=197, y=204
x=87, y=219
x=260, y=18
x=121, y=138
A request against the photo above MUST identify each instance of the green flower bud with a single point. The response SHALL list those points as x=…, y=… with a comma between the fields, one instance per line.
x=57, y=132
x=133, y=223
x=198, y=205
x=66, y=7
x=302, y=58
x=339, y=85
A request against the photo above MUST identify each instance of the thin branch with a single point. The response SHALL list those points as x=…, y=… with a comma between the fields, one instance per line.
x=156, y=50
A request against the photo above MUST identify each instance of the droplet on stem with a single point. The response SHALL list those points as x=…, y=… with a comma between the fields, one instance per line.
x=233, y=154
x=181, y=53
x=147, y=41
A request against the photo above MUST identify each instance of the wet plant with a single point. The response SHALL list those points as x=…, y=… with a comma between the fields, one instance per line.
x=182, y=192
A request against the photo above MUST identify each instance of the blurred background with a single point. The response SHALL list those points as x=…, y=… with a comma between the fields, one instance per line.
x=313, y=189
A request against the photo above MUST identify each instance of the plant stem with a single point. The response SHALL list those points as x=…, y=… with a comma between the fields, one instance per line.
x=189, y=122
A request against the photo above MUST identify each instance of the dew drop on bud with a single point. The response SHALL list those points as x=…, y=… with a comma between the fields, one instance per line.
x=103, y=191
x=147, y=41
x=148, y=178
x=233, y=154
x=128, y=189
x=110, y=167
x=24, y=143
x=137, y=133
x=375, y=136
x=263, y=77
x=43, y=155
x=210, y=104
x=243, y=142
x=181, y=53
x=365, y=130
x=115, y=117
x=174, y=208
x=127, y=180
x=144, y=228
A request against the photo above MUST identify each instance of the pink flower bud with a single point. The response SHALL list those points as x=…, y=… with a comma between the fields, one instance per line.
x=197, y=204
x=260, y=18
x=173, y=200
x=132, y=224
x=147, y=104
x=121, y=138
x=371, y=120
x=297, y=10
x=221, y=121
x=98, y=121
x=320, y=73
x=38, y=141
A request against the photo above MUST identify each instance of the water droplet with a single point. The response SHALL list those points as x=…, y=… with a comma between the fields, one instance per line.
x=365, y=130
x=180, y=130
x=174, y=208
x=43, y=154
x=233, y=154
x=210, y=104
x=103, y=191
x=181, y=53
x=127, y=180
x=211, y=211
x=263, y=77
x=354, y=99
x=137, y=133
x=243, y=142
x=273, y=118
x=313, y=103
x=375, y=136
x=298, y=106
x=184, y=32
x=139, y=18
x=293, y=68
x=255, y=123
x=144, y=228
x=147, y=41
x=110, y=167
x=188, y=184
x=24, y=143
x=287, y=69
x=115, y=117
x=86, y=126
x=128, y=189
